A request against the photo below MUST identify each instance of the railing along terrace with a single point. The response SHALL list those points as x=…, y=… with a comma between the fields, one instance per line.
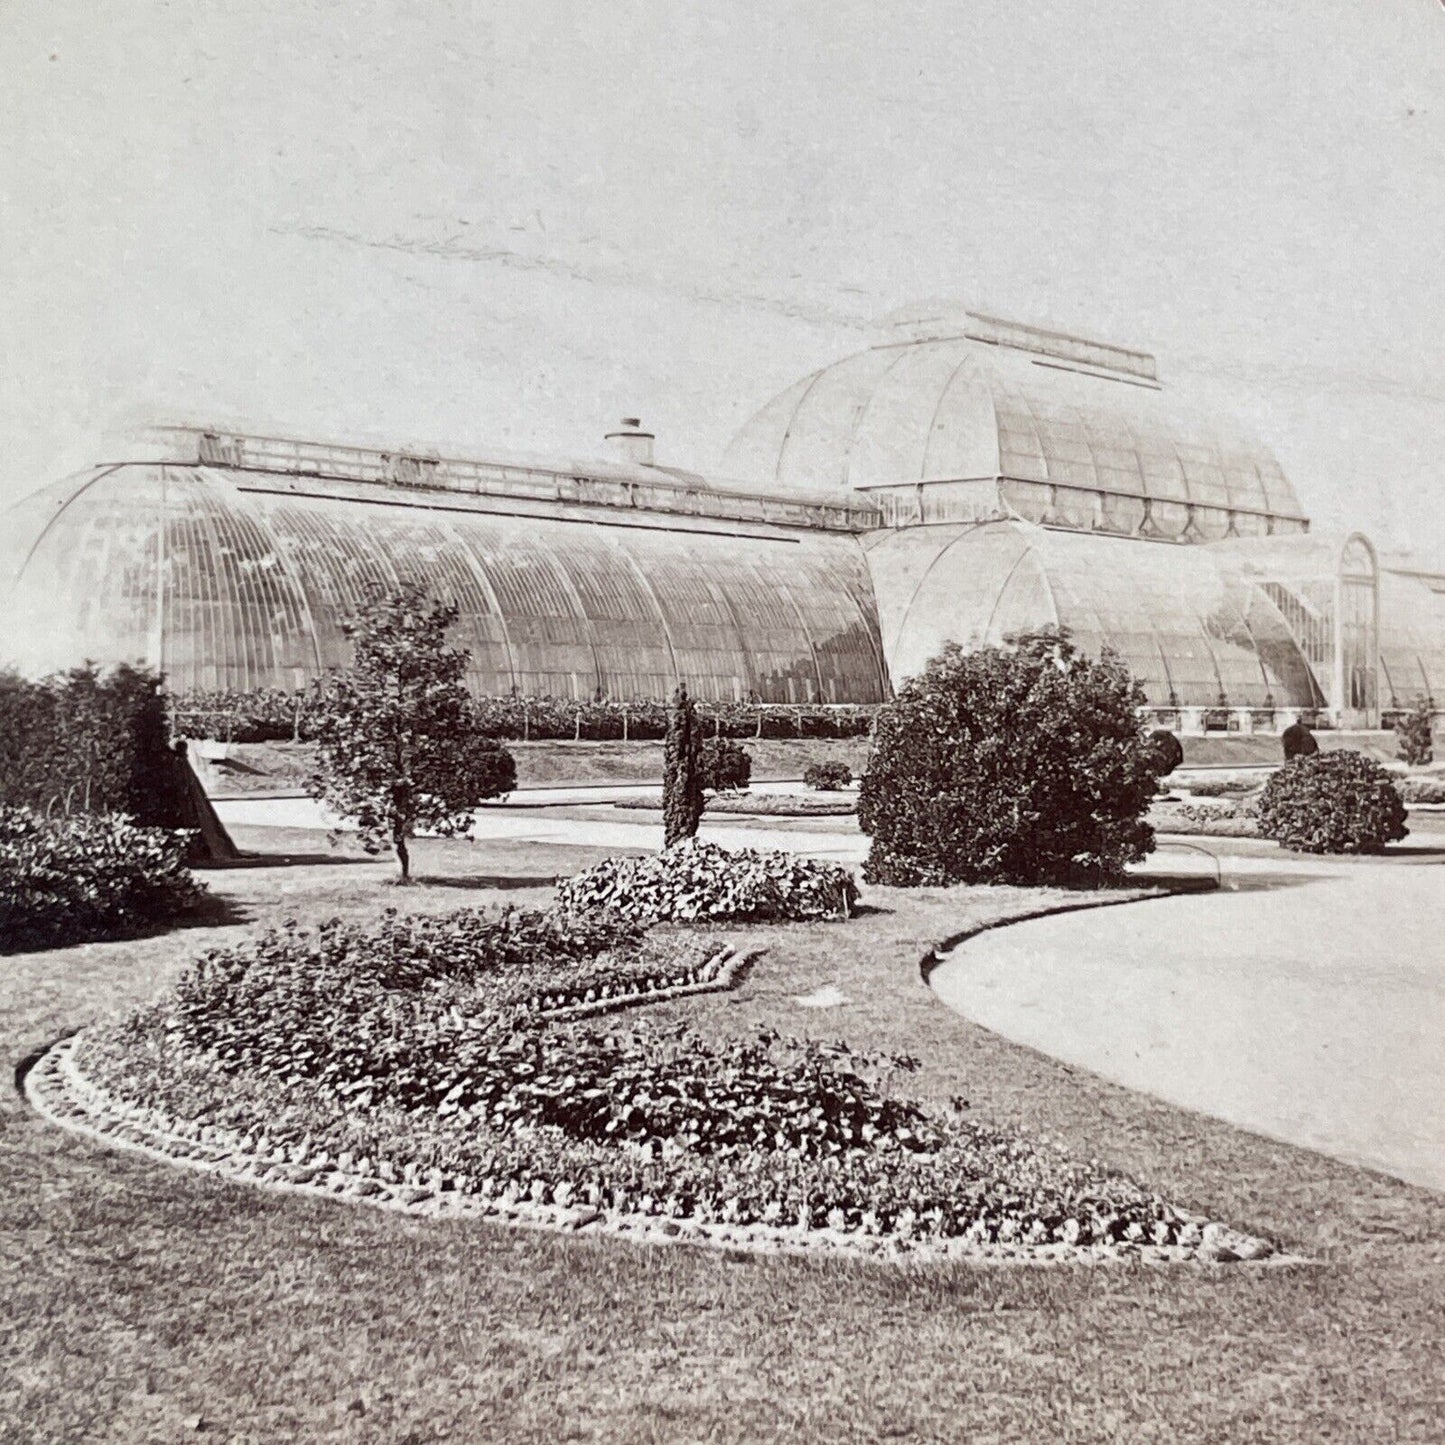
x=602, y=485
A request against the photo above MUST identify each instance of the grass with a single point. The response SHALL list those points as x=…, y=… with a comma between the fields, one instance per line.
x=282, y=766
x=139, y=1297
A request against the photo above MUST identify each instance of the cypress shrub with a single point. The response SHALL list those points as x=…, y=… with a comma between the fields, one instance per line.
x=1168, y=751
x=682, y=797
x=1017, y=764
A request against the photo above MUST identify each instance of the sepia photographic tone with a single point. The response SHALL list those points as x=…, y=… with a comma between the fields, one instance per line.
x=722, y=724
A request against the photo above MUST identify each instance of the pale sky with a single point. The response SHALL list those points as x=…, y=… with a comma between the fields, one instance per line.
x=507, y=224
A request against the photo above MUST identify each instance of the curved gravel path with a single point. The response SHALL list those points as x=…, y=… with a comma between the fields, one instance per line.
x=1311, y=1009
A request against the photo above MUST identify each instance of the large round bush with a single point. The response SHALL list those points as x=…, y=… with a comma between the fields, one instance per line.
x=1335, y=802
x=1017, y=764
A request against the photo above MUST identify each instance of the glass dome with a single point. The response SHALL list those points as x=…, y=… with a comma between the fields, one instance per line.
x=1190, y=629
x=952, y=428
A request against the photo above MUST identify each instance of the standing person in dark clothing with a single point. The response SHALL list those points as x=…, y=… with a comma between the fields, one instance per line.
x=1299, y=742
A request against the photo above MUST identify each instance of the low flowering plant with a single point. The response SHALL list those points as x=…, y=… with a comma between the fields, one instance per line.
x=698, y=881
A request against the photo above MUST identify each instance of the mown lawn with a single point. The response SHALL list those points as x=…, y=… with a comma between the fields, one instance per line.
x=138, y=1297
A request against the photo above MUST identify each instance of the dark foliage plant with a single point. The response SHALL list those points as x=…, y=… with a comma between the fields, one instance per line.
x=682, y=779
x=69, y=879
x=1415, y=735
x=397, y=746
x=828, y=776
x=89, y=742
x=1017, y=764
x=1332, y=802
x=727, y=766
x=1298, y=741
x=1168, y=751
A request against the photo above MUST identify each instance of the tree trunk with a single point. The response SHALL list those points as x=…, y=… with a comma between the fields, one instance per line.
x=403, y=856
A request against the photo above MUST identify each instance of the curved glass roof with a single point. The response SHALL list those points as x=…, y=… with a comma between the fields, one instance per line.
x=231, y=578
x=951, y=408
x=1412, y=641
x=1194, y=633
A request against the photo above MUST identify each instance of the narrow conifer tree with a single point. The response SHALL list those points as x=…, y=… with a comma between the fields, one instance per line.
x=682, y=796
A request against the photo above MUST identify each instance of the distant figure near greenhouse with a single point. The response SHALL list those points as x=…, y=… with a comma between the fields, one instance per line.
x=964, y=480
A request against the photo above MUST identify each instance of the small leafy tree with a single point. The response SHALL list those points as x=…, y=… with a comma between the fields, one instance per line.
x=1017, y=764
x=1415, y=735
x=682, y=795
x=398, y=747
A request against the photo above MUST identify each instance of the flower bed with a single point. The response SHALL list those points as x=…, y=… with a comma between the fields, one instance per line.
x=1422, y=789
x=432, y=1062
x=694, y=880
x=1215, y=820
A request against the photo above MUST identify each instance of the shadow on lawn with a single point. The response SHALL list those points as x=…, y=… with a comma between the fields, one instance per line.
x=281, y=860
x=210, y=912
x=487, y=880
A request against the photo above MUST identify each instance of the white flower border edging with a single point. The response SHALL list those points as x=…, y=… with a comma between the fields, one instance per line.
x=61, y=1093
x=715, y=974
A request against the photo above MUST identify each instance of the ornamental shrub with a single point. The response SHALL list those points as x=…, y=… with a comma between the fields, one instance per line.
x=68, y=879
x=1415, y=735
x=1168, y=751
x=1017, y=764
x=727, y=766
x=1335, y=802
x=695, y=880
x=828, y=776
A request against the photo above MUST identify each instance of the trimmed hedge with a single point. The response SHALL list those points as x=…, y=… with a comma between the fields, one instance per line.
x=275, y=716
x=87, y=742
x=71, y=879
x=1335, y=802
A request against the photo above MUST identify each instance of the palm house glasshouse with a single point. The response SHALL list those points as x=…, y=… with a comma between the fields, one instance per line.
x=966, y=479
